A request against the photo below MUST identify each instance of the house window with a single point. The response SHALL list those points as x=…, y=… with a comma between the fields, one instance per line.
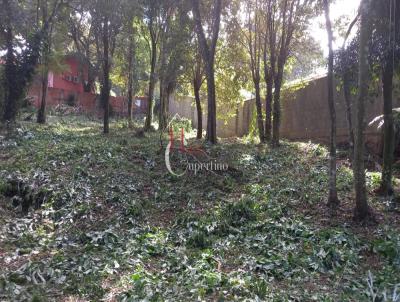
x=76, y=79
x=138, y=103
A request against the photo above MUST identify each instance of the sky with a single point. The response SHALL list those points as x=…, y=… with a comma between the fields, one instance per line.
x=340, y=9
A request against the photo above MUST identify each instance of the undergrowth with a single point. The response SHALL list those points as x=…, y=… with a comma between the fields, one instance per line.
x=106, y=221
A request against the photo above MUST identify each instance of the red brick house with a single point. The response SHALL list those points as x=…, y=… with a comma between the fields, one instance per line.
x=72, y=87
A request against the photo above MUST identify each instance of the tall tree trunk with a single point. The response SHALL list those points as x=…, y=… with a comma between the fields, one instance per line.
x=211, y=135
x=130, y=77
x=361, y=211
x=349, y=113
x=268, y=107
x=162, y=114
x=197, y=82
x=269, y=70
x=41, y=115
x=276, y=119
x=333, y=200
x=164, y=98
x=152, y=84
x=170, y=90
x=260, y=120
x=10, y=71
x=105, y=93
x=196, y=89
x=208, y=54
x=388, y=147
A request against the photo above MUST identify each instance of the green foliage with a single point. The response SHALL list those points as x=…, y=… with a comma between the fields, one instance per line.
x=181, y=123
x=199, y=239
x=389, y=247
x=115, y=221
x=240, y=212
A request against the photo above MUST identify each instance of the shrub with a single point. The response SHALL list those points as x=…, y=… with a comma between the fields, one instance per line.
x=181, y=123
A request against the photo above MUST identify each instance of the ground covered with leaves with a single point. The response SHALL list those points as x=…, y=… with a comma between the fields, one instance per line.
x=88, y=217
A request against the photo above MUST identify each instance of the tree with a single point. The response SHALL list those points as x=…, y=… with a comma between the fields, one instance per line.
x=46, y=48
x=253, y=36
x=382, y=61
x=286, y=20
x=269, y=60
x=174, y=44
x=333, y=200
x=131, y=74
x=155, y=22
x=361, y=211
x=130, y=55
x=346, y=69
x=20, y=67
x=49, y=55
x=192, y=79
x=207, y=49
x=387, y=25
x=81, y=30
x=107, y=21
x=197, y=82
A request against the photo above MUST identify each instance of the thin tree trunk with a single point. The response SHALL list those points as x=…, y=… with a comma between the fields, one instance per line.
x=269, y=70
x=152, y=84
x=268, y=108
x=196, y=88
x=41, y=116
x=130, y=78
x=162, y=115
x=254, y=45
x=197, y=82
x=10, y=72
x=361, y=210
x=276, y=120
x=105, y=95
x=349, y=114
x=212, y=107
x=260, y=121
x=333, y=200
x=163, y=105
x=170, y=91
x=388, y=147
x=208, y=54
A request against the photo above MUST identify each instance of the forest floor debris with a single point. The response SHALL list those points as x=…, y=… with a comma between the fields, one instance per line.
x=115, y=228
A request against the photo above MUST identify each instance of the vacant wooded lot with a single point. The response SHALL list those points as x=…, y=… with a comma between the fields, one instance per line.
x=115, y=224
x=177, y=150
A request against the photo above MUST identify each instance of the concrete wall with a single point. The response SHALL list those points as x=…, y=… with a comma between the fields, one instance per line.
x=227, y=127
x=305, y=115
